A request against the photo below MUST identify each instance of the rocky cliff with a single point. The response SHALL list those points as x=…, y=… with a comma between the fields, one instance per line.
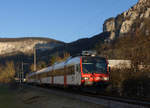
x=112, y=28
x=26, y=45
x=124, y=22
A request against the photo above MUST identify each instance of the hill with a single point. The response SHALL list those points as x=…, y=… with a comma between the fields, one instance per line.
x=128, y=23
x=125, y=36
x=11, y=46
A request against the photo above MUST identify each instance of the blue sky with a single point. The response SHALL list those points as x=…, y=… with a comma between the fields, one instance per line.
x=64, y=20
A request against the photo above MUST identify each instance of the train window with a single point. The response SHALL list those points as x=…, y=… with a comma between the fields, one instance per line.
x=78, y=68
x=58, y=72
x=70, y=70
x=94, y=64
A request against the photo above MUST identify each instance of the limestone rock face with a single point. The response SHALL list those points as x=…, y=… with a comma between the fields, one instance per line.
x=25, y=45
x=123, y=23
x=109, y=25
x=126, y=25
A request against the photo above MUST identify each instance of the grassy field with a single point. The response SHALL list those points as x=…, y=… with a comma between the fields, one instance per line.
x=7, y=97
x=33, y=98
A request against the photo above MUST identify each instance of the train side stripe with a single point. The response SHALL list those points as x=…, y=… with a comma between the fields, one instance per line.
x=81, y=65
x=52, y=81
x=65, y=80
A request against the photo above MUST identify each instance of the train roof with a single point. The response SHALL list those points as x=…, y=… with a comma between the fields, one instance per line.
x=59, y=65
x=41, y=71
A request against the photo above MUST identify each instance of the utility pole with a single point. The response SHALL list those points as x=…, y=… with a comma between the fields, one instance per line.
x=19, y=72
x=34, y=59
x=19, y=76
x=22, y=75
x=23, y=71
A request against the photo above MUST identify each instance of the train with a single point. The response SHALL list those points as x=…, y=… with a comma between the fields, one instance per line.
x=84, y=70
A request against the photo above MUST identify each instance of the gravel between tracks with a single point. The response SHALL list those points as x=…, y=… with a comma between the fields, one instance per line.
x=35, y=98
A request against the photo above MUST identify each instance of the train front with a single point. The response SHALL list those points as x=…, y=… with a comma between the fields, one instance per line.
x=94, y=71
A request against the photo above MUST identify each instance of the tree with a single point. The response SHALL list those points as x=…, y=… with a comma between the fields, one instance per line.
x=7, y=72
x=41, y=65
x=32, y=67
x=66, y=55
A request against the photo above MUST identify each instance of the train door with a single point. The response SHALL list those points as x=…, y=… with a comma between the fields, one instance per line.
x=77, y=74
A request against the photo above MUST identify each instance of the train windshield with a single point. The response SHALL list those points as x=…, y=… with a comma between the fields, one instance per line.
x=94, y=65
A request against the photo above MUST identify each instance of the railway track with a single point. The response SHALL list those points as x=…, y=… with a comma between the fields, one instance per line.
x=115, y=98
x=128, y=100
x=97, y=98
x=124, y=100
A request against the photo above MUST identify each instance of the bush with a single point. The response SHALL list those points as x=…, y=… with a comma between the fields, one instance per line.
x=127, y=82
x=7, y=72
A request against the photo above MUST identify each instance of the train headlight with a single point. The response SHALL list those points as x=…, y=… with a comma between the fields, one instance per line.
x=97, y=78
x=105, y=78
x=85, y=78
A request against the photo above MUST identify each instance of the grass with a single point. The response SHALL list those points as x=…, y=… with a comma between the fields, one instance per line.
x=7, y=97
x=33, y=98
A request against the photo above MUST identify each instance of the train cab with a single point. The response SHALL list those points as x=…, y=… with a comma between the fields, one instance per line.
x=94, y=70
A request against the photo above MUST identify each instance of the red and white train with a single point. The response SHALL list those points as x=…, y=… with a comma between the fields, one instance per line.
x=83, y=70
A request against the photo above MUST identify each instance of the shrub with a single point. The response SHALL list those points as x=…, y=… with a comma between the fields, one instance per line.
x=128, y=82
x=7, y=72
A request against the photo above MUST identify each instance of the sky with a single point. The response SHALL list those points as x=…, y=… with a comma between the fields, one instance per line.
x=64, y=20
